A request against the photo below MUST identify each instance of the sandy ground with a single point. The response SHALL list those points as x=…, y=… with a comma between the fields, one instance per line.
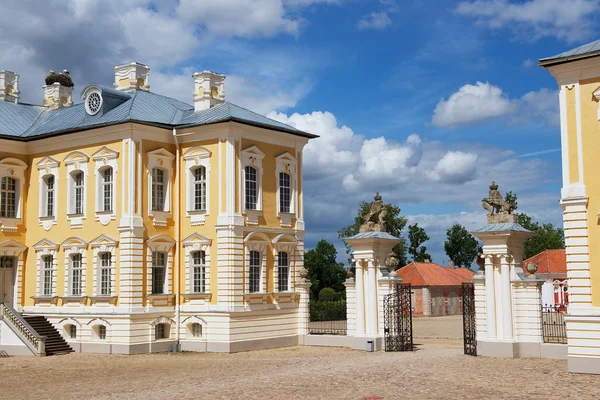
x=437, y=370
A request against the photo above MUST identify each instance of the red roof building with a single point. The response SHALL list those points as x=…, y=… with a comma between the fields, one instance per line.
x=552, y=266
x=436, y=290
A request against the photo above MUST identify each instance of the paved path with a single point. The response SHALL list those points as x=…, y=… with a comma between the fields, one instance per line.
x=438, y=370
x=438, y=327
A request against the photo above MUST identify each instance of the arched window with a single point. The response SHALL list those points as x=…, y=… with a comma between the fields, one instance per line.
x=49, y=189
x=72, y=330
x=283, y=271
x=198, y=272
x=158, y=272
x=77, y=193
x=107, y=188
x=161, y=331
x=76, y=272
x=102, y=332
x=8, y=197
x=254, y=278
x=200, y=188
x=196, y=330
x=105, y=279
x=47, y=275
x=251, y=185
x=285, y=192
x=158, y=189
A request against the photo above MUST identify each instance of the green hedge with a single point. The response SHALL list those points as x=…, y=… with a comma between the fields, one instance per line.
x=327, y=310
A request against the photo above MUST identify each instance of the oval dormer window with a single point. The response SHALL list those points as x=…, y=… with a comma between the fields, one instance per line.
x=93, y=103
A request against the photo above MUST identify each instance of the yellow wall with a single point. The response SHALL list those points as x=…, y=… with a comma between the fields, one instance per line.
x=62, y=230
x=590, y=127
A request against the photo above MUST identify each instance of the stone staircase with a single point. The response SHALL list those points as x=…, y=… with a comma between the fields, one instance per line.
x=55, y=344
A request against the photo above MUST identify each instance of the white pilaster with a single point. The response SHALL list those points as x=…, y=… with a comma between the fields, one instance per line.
x=371, y=298
x=490, y=298
x=360, y=298
x=507, y=321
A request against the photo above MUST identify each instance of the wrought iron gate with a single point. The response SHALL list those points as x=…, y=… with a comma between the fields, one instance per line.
x=397, y=319
x=469, y=331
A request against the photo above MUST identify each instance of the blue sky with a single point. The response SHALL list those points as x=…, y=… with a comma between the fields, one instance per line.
x=426, y=101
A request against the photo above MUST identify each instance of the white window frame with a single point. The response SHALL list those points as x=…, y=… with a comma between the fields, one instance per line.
x=287, y=244
x=162, y=159
x=76, y=161
x=13, y=168
x=48, y=166
x=44, y=248
x=189, y=334
x=286, y=163
x=72, y=246
x=104, y=244
x=168, y=329
x=95, y=325
x=259, y=242
x=192, y=243
x=160, y=244
x=12, y=248
x=252, y=156
x=103, y=159
x=194, y=158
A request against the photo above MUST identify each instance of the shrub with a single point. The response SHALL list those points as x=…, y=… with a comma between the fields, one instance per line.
x=327, y=310
x=328, y=294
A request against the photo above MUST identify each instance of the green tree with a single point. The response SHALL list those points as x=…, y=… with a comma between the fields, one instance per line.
x=416, y=237
x=323, y=269
x=545, y=237
x=511, y=198
x=461, y=247
x=395, y=225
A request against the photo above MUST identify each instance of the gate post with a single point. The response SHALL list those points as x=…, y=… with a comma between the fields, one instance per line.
x=303, y=287
x=350, y=306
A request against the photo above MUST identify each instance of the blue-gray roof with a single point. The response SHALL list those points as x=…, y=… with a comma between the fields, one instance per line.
x=373, y=235
x=587, y=50
x=28, y=122
x=502, y=228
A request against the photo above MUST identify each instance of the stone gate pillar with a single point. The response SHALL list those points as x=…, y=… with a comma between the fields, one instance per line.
x=507, y=300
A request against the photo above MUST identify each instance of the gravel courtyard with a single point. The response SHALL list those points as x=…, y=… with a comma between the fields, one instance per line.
x=437, y=370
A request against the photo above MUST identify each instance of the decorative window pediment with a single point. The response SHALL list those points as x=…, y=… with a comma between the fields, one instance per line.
x=161, y=243
x=104, y=243
x=285, y=243
x=197, y=242
x=74, y=245
x=104, y=155
x=47, y=162
x=76, y=158
x=46, y=246
x=11, y=248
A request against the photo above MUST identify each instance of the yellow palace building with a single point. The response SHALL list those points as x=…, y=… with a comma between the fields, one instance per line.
x=578, y=75
x=133, y=222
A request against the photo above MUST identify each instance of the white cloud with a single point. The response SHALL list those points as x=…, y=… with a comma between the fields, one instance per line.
x=472, y=104
x=455, y=167
x=528, y=63
x=245, y=18
x=375, y=20
x=570, y=21
x=541, y=105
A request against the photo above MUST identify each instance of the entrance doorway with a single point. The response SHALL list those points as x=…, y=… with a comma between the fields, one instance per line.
x=8, y=266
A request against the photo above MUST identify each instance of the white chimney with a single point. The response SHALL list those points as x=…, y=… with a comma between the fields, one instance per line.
x=9, y=86
x=57, y=95
x=132, y=76
x=208, y=90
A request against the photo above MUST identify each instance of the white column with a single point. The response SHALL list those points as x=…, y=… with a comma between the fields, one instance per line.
x=360, y=299
x=490, y=299
x=303, y=286
x=507, y=326
x=371, y=313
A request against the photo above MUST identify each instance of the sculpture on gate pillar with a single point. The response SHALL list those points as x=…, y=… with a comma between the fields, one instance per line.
x=374, y=219
x=499, y=210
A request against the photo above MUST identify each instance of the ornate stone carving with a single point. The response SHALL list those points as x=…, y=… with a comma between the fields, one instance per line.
x=499, y=210
x=374, y=219
x=303, y=273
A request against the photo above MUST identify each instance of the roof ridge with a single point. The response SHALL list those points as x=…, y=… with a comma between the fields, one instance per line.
x=420, y=274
